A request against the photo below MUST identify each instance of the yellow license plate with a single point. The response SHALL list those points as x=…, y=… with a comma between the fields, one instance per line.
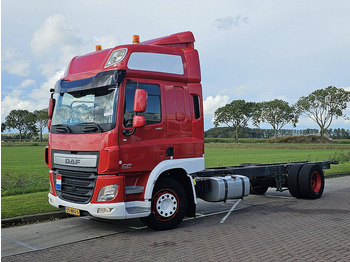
x=72, y=211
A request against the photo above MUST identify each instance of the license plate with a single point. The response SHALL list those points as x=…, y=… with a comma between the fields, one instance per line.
x=72, y=211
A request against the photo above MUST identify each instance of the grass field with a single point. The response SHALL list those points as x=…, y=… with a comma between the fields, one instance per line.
x=24, y=175
x=33, y=203
x=23, y=170
x=231, y=154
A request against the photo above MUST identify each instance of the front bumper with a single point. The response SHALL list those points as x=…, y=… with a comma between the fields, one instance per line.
x=120, y=210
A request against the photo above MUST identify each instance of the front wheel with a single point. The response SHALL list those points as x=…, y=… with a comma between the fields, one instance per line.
x=258, y=190
x=168, y=207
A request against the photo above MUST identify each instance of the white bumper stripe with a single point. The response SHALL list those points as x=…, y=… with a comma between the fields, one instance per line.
x=119, y=210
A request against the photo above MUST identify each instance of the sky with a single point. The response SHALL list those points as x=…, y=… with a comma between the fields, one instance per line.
x=249, y=49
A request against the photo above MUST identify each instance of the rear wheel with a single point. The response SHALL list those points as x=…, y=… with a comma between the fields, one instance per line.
x=168, y=207
x=311, y=181
x=293, y=180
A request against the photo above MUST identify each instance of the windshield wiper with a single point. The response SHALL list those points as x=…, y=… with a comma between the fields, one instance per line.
x=62, y=128
x=91, y=127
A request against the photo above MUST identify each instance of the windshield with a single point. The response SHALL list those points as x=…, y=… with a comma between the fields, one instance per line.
x=95, y=106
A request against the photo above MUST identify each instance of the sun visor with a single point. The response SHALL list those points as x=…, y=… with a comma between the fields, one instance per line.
x=106, y=78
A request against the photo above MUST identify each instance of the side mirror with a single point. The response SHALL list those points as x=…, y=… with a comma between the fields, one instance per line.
x=49, y=124
x=140, y=101
x=138, y=121
x=51, y=107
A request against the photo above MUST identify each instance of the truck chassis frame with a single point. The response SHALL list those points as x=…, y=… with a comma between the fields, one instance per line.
x=282, y=176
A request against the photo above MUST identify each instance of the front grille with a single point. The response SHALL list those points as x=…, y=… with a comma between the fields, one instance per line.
x=77, y=187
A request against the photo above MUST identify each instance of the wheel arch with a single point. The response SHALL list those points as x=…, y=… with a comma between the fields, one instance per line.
x=179, y=170
x=186, y=181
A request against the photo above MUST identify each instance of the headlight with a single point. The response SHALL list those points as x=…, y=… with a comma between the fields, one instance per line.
x=116, y=57
x=107, y=193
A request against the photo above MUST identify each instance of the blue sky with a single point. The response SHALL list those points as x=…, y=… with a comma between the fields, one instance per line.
x=252, y=50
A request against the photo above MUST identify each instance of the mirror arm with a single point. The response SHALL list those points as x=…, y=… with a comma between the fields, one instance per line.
x=126, y=132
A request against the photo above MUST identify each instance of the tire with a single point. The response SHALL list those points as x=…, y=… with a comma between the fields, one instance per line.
x=293, y=180
x=311, y=181
x=168, y=207
x=258, y=190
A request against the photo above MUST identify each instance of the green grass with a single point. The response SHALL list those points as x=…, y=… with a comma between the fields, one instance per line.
x=232, y=140
x=25, y=185
x=23, y=143
x=23, y=170
x=33, y=203
x=219, y=156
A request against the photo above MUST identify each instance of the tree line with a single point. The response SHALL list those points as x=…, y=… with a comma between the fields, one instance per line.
x=322, y=106
x=246, y=132
x=29, y=124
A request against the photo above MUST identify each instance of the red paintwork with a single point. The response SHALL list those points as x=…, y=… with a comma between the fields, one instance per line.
x=181, y=40
x=138, y=121
x=137, y=179
x=76, y=142
x=316, y=181
x=52, y=183
x=109, y=180
x=128, y=160
x=50, y=109
x=140, y=102
x=89, y=65
x=49, y=124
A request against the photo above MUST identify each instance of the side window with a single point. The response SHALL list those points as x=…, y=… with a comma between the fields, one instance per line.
x=153, y=111
x=197, y=111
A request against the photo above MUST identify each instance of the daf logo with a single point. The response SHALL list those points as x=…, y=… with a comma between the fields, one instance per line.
x=72, y=161
x=75, y=160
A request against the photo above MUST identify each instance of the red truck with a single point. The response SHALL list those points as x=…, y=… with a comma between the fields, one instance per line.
x=127, y=139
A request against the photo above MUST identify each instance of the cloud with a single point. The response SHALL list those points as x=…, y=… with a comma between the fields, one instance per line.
x=26, y=83
x=57, y=41
x=41, y=95
x=228, y=22
x=53, y=44
x=238, y=92
x=54, y=33
x=13, y=101
x=210, y=104
x=36, y=100
x=18, y=68
x=14, y=64
x=106, y=41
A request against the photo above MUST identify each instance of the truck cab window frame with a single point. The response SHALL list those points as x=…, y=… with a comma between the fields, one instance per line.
x=153, y=113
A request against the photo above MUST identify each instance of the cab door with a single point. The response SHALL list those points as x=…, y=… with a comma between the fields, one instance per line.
x=141, y=149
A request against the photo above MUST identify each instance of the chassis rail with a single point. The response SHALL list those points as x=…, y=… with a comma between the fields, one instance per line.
x=270, y=175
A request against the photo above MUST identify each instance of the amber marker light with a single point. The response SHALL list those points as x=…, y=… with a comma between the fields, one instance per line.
x=136, y=39
x=98, y=48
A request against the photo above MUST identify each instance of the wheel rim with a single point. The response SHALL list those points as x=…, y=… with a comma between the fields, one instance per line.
x=165, y=204
x=316, y=181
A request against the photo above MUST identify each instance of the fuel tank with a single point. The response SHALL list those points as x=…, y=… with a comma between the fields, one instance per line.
x=215, y=189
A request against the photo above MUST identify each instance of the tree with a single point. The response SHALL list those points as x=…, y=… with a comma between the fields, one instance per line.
x=3, y=127
x=324, y=105
x=22, y=120
x=41, y=121
x=235, y=115
x=277, y=113
x=30, y=127
x=16, y=119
